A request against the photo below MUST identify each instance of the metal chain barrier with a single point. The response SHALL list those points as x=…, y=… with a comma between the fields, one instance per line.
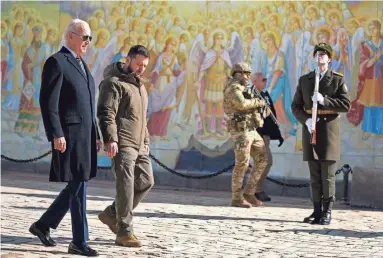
x=345, y=169
x=190, y=176
x=26, y=160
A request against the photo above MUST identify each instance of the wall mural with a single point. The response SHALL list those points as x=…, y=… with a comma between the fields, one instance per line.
x=193, y=46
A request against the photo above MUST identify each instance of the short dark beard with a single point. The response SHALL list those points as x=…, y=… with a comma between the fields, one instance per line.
x=36, y=43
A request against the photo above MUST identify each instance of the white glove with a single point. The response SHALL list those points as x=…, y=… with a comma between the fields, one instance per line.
x=309, y=124
x=318, y=97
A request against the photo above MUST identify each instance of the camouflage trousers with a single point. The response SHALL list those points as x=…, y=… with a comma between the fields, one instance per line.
x=247, y=144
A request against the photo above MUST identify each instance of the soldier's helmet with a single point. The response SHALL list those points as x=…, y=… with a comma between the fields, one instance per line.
x=241, y=67
x=323, y=47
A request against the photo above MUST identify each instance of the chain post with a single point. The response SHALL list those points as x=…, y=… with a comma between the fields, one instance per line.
x=346, y=169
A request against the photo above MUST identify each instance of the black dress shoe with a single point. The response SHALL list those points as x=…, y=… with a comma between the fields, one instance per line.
x=262, y=196
x=85, y=251
x=43, y=235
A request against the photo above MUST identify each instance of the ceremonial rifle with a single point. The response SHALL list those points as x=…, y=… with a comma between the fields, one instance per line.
x=315, y=106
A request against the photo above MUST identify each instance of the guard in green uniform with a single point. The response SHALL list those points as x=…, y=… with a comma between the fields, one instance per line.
x=333, y=99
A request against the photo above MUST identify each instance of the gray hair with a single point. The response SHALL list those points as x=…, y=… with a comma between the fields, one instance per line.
x=73, y=26
x=257, y=74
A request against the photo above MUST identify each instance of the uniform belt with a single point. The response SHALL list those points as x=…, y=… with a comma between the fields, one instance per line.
x=322, y=112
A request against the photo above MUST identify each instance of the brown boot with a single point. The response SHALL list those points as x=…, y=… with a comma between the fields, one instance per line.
x=128, y=241
x=109, y=221
x=252, y=199
x=242, y=204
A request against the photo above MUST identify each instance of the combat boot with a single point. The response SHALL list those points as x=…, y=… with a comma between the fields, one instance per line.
x=108, y=220
x=241, y=204
x=128, y=241
x=262, y=196
x=326, y=214
x=316, y=213
x=252, y=199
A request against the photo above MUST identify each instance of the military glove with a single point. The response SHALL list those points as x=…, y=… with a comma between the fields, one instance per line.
x=280, y=141
x=318, y=97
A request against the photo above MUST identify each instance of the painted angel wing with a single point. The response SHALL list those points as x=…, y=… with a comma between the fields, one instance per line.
x=236, y=52
x=196, y=56
x=288, y=48
x=256, y=53
x=152, y=15
x=303, y=48
x=105, y=57
x=62, y=43
x=356, y=41
x=169, y=25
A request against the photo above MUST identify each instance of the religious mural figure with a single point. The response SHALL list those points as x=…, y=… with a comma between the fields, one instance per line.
x=192, y=47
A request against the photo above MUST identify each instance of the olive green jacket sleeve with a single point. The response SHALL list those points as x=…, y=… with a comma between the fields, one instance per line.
x=341, y=101
x=107, y=106
x=239, y=102
x=297, y=106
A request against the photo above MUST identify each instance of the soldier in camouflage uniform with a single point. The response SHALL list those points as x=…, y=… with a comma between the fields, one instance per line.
x=244, y=112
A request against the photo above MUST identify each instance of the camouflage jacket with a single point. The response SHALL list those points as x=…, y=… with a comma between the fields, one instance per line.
x=243, y=113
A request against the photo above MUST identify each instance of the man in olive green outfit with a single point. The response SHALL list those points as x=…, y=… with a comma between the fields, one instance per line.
x=245, y=116
x=332, y=98
x=121, y=111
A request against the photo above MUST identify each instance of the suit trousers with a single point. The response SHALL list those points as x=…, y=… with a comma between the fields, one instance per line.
x=322, y=179
x=72, y=197
x=134, y=179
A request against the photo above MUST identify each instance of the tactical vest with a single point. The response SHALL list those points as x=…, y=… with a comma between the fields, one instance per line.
x=246, y=120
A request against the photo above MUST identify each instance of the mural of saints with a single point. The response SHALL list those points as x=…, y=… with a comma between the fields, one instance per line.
x=212, y=68
x=192, y=47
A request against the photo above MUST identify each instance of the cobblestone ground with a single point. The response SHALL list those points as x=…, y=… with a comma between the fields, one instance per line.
x=188, y=223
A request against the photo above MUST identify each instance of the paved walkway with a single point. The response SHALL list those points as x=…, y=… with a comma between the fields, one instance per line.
x=189, y=223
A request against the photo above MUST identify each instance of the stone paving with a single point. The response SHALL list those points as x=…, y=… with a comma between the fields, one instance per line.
x=188, y=223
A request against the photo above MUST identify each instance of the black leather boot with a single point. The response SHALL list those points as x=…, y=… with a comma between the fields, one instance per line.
x=316, y=214
x=326, y=214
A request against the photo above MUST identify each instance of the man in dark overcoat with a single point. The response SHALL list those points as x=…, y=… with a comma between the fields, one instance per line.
x=67, y=101
x=333, y=99
x=269, y=131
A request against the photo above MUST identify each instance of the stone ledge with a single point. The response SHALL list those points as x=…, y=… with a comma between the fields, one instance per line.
x=367, y=188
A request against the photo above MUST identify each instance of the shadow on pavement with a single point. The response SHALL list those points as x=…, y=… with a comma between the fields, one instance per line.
x=337, y=232
x=30, y=251
x=177, y=215
x=206, y=217
x=53, y=196
x=30, y=239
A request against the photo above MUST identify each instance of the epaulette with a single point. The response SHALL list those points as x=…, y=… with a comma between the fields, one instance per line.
x=308, y=74
x=336, y=73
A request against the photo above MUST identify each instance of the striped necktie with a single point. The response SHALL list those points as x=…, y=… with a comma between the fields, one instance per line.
x=78, y=59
